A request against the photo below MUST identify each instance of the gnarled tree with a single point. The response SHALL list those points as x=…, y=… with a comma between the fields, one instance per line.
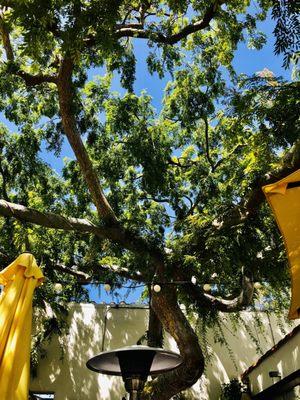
x=150, y=196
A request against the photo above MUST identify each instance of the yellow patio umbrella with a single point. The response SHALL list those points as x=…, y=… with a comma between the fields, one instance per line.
x=284, y=199
x=20, y=279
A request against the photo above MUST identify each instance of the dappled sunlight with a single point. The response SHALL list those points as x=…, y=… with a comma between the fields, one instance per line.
x=224, y=366
x=284, y=359
x=68, y=375
x=97, y=328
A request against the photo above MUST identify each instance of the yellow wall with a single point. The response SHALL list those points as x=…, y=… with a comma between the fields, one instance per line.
x=71, y=380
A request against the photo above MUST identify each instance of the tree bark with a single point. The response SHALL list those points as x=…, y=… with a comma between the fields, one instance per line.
x=176, y=324
x=65, y=95
x=155, y=329
x=50, y=220
x=158, y=37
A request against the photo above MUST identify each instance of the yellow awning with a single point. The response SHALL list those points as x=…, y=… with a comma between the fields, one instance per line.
x=20, y=279
x=284, y=198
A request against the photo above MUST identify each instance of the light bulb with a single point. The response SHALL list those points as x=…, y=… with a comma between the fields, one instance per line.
x=156, y=288
x=194, y=280
x=58, y=287
x=206, y=287
x=257, y=285
x=107, y=287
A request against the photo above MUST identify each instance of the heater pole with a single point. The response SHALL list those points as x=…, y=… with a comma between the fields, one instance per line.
x=134, y=387
x=134, y=395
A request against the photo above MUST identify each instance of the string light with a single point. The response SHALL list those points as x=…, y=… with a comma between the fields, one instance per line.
x=257, y=285
x=156, y=288
x=206, y=287
x=107, y=287
x=58, y=287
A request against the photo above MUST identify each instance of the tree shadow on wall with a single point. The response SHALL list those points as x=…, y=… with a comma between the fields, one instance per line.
x=93, y=329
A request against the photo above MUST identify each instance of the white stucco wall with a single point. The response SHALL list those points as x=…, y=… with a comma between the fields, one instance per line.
x=69, y=378
x=285, y=360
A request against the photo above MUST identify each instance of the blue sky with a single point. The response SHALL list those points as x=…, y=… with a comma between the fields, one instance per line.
x=246, y=61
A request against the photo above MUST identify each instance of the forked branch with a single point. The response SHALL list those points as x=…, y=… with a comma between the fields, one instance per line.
x=251, y=204
x=159, y=37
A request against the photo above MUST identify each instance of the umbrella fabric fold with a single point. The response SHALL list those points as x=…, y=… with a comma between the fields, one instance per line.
x=20, y=279
x=284, y=199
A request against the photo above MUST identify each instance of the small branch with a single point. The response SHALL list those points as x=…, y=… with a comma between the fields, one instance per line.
x=195, y=204
x=4, y=182
x=249, y=206
x=218, y=163
x=82, y=277
x=178, y=164
x=30, y=80
x=207, y=145
x=189, y=199
x=155, y=199
x=129, y=25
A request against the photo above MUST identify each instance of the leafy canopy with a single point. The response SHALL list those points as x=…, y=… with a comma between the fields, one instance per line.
x=170, y=175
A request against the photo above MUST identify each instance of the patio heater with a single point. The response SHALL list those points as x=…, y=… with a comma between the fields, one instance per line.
x=135, y=364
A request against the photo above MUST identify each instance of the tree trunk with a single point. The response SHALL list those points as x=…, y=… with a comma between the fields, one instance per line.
x=155, y=329
x=176, y=324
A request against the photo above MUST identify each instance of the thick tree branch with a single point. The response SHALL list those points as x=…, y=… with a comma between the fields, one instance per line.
x=49, y=220
x=65, y=93
x=114, y=230
x=172, y=39
x=115, y=233
x=34, y=80
x=5, y=38
x=137, y=30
